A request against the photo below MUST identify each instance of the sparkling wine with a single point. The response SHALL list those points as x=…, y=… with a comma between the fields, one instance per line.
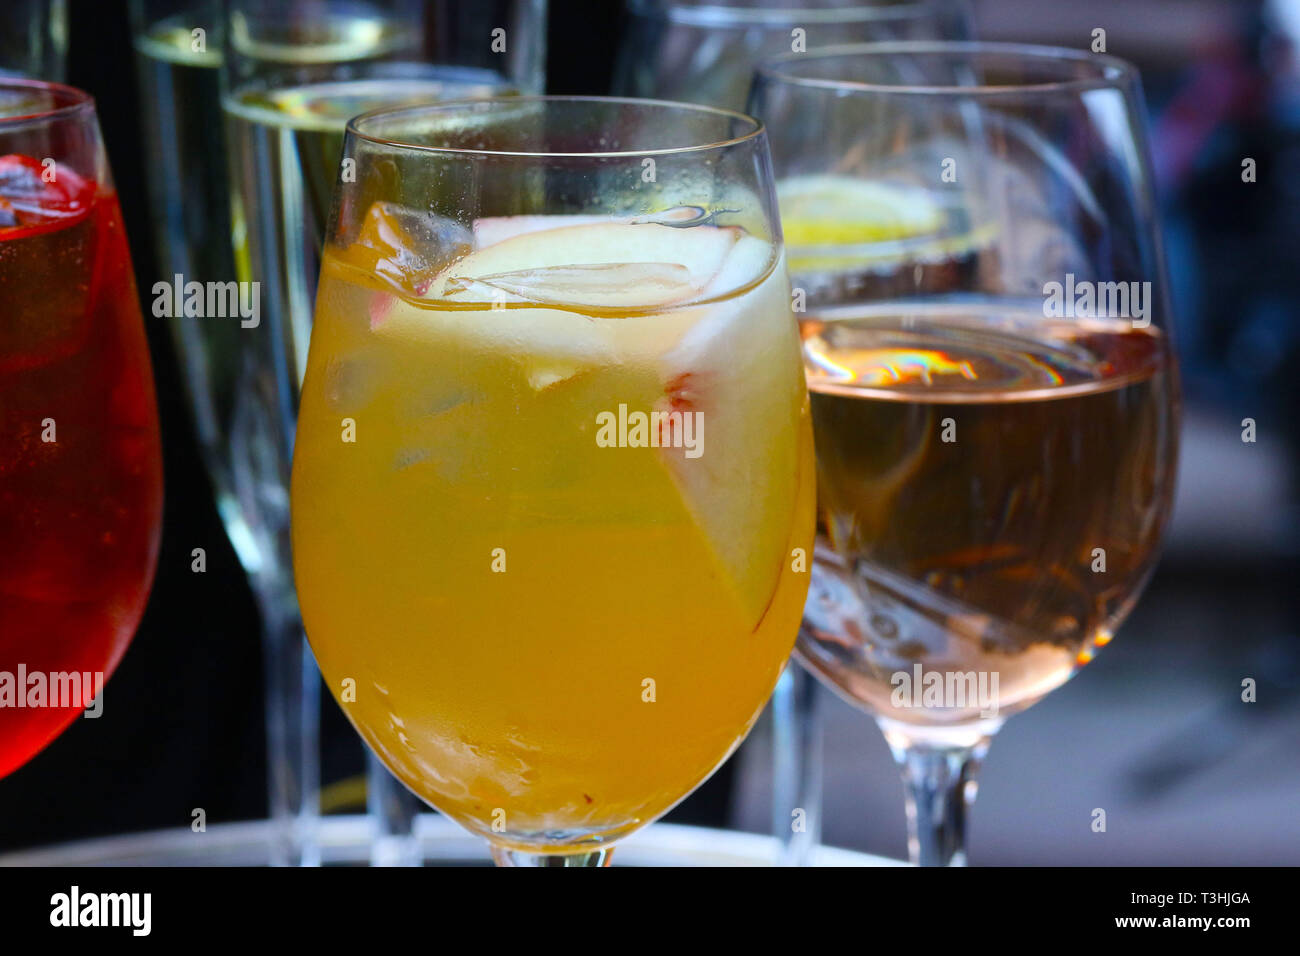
x=189, y=198
x=992, y=487
x=189, y=202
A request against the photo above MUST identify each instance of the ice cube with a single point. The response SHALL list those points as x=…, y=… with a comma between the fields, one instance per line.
x=32, y=192
x=411, y=246
x=441, y=399
x=410, y=457
x=349, y=383
x=543, y=374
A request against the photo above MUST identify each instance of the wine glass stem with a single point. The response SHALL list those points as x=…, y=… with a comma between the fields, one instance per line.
x=939, y=786
x=292, y=734
x=504, y=857
x=797, y=766
x=393, y=811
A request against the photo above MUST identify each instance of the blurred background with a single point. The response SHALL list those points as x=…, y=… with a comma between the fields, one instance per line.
x=1153, y=731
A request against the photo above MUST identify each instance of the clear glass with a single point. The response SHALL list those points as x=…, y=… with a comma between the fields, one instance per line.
x=230, y=381
x=34, y=39
x=80, y=459
x=552, y=488
x=178, y=52
x=987, y=336
x=705, y=51
x=797, y=766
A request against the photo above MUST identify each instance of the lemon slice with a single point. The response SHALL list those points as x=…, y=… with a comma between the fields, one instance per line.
x=840, y=210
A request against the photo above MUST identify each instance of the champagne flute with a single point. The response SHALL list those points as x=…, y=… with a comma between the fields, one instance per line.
x=705, y=51
x=178, y=52
x=230, y=382
x=988, y=343
x=80, y=458
x=553, y=473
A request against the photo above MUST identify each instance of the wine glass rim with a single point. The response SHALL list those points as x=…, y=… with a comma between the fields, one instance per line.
x=70, y=101
x=1111, y=70
x=483, y=104
x=708, y=13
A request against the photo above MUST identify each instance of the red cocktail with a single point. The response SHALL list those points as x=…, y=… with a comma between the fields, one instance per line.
x=80, y=468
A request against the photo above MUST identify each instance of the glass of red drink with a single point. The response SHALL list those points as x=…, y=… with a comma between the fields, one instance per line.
x=80, y=468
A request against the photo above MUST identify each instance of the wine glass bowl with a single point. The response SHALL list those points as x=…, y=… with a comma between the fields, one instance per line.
x=555, y=625
x=80, y=459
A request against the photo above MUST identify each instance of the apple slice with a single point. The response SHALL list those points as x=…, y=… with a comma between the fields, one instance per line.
x=569, y=276
x=739, y=366
x=491, y=230
x=607, y=265
x=496, y=229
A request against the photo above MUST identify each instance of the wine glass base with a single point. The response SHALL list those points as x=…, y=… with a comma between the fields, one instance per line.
x=599, y=857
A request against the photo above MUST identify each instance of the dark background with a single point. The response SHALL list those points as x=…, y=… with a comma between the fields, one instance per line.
x=1153, y=730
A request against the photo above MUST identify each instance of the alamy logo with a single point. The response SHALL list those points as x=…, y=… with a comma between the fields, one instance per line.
x=656, y=429
x=1084, y=299
x=133, y=910
x=945, y=690
x=209, y=300
x=56, y=689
